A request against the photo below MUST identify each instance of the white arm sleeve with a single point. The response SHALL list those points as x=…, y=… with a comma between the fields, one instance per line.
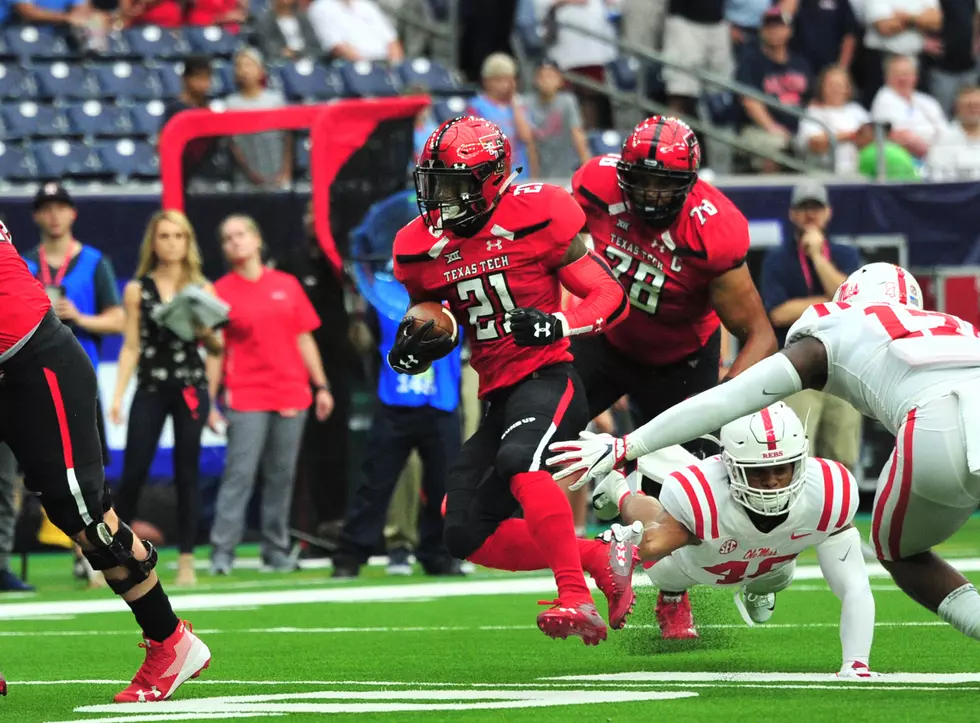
x=759, y=386
x=844, y=570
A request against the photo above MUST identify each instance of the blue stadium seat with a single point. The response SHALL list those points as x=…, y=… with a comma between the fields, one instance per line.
x=212, y=41
x=130, y=158
x=29, y=41
x=66, y=81
x=16, y=83
x=222, y=83
x=27, y=119
x=431, y=76
x=147, y=117
x=448, y=108
x=721, y=108
x=17, y=164
x=603, y=142
x=149, y=41
x=305, y=80
x=68, y=159
x=367, y=80
x=170, y=79
x=302, y=156
x=127, y=81
x=93, y=118
x=624, y=72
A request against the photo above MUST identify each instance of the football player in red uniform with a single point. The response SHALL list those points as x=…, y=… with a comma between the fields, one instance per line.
x=678, y=245
x=499, y=255
x=48, y=397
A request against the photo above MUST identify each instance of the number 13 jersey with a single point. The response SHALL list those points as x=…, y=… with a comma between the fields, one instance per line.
x=510, y=263
x=666, y=272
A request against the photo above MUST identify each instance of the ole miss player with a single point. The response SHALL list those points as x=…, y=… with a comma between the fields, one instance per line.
x=48, y=397
x=500, y=255
x=678, y=245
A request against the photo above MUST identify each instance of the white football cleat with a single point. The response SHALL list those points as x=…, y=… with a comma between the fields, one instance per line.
x=856, y=670
x=754, y=608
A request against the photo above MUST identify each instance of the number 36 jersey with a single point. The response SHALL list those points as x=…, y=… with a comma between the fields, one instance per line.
x=666, y=272
x=510, y=263
x=730, y=549
x=887, y=359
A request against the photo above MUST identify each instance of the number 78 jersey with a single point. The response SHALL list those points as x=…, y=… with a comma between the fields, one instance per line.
x=887, y=359
x=666, y=272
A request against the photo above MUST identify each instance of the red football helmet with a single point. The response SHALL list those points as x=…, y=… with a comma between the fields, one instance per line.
x=461, y=172
x=658, y=167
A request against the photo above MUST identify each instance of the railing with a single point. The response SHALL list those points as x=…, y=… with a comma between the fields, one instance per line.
x=447, y=31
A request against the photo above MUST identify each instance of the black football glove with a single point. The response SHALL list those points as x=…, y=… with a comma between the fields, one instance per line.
x=533, y=327
x=412, y=353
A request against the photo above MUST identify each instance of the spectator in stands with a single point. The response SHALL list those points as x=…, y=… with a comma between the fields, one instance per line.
x=284, y=32
x=833, y=106
x=420, y=413
x=584, y=54
x=9, y=480
x=59, y=13
x=643, y=22
x=825, y=32
x=260, y=160
x=226, y=13
x=500, y=103
x=744, y=19
x=956, y=155
x=485, y=28
x=171, y=379
x=777, y=71
x=956, y=67
x=899, y=165
x=916, y=118
x=355, y=30
x=556, y=123
x=895, y=27
x=324, y=453
x=805, y=270
x=164, y=13
x=200, y=161
x=271, y=363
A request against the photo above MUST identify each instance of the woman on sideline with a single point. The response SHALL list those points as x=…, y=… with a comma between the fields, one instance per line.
x=834, y=105
x=270, y=364
x=171, y=377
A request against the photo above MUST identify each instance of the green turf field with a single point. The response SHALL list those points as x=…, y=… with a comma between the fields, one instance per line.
x=302, y=648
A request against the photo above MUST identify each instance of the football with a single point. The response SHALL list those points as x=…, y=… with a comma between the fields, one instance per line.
x=445, y=322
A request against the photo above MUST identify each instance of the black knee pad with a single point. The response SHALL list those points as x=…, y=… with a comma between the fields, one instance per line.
x=513, y=458
x=460, y=540
x=117, y=551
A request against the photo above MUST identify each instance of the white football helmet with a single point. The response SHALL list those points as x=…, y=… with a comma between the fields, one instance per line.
x=881, y=283
x=774, y=436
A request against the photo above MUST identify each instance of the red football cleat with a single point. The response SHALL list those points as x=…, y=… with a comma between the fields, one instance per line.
x=675, y=619
x=167, y=666
x=611, y=566
x=582, y=620
x=3, y=685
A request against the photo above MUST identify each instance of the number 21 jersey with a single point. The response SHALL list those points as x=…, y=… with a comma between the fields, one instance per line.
x=666, y=272
x=510, y=263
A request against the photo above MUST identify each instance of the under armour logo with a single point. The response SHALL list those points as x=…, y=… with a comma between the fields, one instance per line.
x=542, y=330
x=141, y=694
x=598, y=324
x=495, y=245
x=454, y=256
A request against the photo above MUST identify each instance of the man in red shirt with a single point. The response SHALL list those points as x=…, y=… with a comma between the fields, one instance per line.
x=499, y=255
x=48, y=393
x=678, y=245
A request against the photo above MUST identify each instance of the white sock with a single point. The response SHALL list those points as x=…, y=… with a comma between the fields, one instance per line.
x=961, y=609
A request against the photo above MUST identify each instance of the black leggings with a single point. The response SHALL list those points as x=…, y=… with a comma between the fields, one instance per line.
x=189, y=409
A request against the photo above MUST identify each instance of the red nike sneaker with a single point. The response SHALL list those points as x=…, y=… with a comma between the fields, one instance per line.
x=167, y=666
x=675, y=618
x=611, y=566
x=582, y=620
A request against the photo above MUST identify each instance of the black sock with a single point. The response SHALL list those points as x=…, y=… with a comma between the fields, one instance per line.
x=154, y=614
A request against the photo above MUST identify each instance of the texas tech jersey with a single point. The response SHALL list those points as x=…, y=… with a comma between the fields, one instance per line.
x=886, y=359
x=23, y=301
x=666, y=272
x=511, y=263
x=732, y=550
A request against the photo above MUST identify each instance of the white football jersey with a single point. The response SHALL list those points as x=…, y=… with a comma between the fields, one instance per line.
x=886, y=359
x=732, y=550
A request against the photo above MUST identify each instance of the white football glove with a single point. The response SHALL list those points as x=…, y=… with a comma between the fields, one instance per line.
x=608, y=493
x=596, y=455
x=856, y=670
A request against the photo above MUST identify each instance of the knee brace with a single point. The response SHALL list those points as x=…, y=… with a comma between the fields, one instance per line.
x=117, y=551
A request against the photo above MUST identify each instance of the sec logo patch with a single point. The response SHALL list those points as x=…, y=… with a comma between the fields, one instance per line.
x=727, y=547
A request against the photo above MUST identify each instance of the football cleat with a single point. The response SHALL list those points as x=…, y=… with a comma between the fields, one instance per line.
x=167, y=666
x=856, y=670
x=610, y=563
x=675, y=618
x=754, y=608
x=583, y=621
x=3, y=685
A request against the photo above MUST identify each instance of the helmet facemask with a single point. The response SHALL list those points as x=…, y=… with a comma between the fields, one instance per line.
x=452, y=198
x=654, y=194
x=766, y=502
